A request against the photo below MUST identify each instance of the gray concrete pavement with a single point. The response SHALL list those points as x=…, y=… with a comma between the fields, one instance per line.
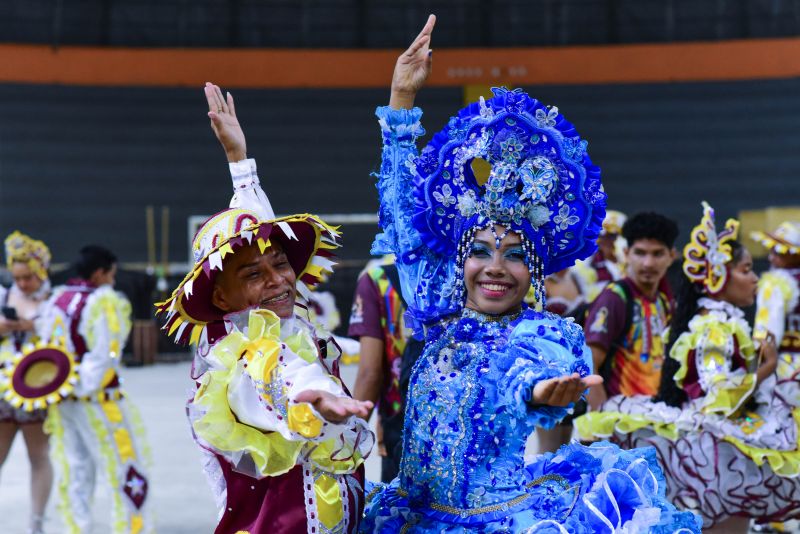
x=181, y=500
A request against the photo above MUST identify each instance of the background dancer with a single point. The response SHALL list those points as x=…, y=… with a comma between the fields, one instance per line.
x=608, y=263
x=96, y=429
x=778, y=300
x=29, y=261
x=722, y=426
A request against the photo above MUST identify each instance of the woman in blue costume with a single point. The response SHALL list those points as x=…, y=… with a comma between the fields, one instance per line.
x=493, y=370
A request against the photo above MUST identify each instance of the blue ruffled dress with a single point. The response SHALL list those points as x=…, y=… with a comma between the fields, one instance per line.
x=469, y=412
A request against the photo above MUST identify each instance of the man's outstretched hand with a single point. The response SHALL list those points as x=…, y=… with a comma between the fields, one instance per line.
x=332, y=408
x=563, y=390
x=226, y=126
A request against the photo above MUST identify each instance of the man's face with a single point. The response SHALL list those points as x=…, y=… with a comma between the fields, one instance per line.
x=252, y=279
x=606, y=244
x=784, y=261
x=648, y=261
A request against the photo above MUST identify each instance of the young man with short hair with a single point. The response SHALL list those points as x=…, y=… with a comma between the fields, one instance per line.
x=625, y=323
x=377, y=321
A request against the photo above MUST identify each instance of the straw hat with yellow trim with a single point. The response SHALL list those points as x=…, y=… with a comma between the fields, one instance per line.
x=307, y=241
x=785, y=239
x=613, y=223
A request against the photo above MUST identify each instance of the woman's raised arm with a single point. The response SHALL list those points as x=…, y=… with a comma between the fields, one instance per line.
x=412, y=68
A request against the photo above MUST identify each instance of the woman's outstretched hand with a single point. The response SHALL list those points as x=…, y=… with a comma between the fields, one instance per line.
x=563, y=390
x=332, y=408
x=226, y=126
x=412, y=68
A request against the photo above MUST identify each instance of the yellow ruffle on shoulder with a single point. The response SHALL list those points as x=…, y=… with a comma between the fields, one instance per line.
x=716, y=339
x=271, y=452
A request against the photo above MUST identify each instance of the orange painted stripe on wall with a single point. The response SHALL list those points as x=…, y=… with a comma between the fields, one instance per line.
x=278, y=68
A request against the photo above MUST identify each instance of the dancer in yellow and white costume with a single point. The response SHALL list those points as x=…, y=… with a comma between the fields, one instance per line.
x=779, y=297
x=607, y=264
x=95, y=428
x=724, y=427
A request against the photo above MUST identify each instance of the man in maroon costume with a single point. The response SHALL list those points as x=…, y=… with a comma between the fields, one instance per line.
x=265, y=458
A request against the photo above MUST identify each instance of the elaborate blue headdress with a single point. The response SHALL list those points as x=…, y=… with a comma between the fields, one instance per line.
x=510, y=161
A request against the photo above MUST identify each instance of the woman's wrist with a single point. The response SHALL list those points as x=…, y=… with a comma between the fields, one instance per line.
x=402, y=99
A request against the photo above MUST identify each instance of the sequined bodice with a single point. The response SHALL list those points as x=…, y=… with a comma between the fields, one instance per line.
x=465, y=430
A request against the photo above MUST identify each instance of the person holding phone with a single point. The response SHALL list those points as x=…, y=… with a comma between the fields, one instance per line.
x=27, y=260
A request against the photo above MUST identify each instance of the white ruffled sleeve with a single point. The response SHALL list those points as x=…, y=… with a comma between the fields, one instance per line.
x=247, y=192
x=105, y=324
x=777, y=295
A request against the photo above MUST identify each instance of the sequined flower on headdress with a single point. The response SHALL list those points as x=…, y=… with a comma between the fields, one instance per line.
x=514, y=162
x=706, y=255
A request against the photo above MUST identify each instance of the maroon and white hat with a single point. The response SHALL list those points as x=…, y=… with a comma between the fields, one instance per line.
x=306, y=239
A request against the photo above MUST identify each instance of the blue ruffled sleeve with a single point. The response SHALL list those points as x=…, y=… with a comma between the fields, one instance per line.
x=426, y=278
x=540, y=349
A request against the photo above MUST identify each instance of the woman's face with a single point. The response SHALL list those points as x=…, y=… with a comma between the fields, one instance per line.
x=496, y=279
x=742, y=283
x=24, y=278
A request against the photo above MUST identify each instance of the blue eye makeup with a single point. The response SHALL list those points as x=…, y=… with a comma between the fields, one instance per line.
x=515, y=254
x=479, y=250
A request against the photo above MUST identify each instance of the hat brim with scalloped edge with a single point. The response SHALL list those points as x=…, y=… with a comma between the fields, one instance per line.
x=39, y=376
x=773, y=242
x=307, y=240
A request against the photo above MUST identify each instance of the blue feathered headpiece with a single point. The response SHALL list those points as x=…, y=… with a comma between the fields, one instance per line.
x=511, y=161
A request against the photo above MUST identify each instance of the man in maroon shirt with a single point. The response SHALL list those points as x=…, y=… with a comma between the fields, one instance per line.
x=377, y=321
x=625, y=323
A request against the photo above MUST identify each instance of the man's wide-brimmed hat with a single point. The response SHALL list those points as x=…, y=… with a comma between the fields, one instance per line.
x=306, y=239
x=613, y=223
x=785, y=239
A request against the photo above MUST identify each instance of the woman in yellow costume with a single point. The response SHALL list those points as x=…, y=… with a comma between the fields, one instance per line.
x=27, y=260
x=723, y=425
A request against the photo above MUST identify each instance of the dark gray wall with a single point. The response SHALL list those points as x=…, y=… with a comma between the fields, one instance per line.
x=79, y=165
x=390, y=23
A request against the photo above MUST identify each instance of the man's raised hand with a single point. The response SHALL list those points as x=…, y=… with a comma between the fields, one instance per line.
x=226, y=126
